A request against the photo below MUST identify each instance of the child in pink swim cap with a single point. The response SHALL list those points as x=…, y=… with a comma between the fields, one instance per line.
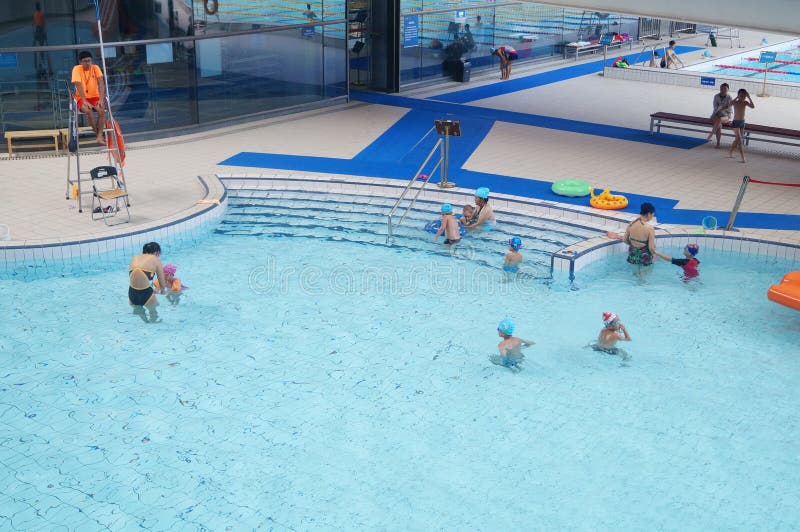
x=689, y=263
x=173, y=283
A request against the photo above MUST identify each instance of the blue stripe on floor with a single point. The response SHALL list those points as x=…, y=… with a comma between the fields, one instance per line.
x=461, y=112
x=535, y=80
x=401, y=143
x=665, y=207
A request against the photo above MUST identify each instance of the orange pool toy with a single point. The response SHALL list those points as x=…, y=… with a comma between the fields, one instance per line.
x=608, y=201
x=788, y=292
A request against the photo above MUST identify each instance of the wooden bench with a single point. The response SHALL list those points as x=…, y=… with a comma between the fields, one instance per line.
x=777, y=135
x=591, y=48
x=83, y=131
x=33, y=134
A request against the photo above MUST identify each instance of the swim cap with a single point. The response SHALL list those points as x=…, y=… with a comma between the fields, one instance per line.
x=506, y=327
x=447, y=208
x=692, y=249
x=170, y=269
x=609, y=318
x=482, y=193
x=515, y=243
x=492, y=50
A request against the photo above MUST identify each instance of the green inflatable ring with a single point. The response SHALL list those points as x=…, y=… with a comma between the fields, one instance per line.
x=572, y=188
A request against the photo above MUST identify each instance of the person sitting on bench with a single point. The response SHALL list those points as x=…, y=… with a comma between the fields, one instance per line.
x=90, y=92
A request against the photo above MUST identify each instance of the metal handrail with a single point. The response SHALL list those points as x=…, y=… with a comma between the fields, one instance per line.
x=413, y=179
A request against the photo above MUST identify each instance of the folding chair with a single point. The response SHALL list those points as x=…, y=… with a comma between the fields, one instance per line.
x=108, y=192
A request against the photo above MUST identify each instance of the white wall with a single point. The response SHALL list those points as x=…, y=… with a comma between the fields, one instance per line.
x=780, y=16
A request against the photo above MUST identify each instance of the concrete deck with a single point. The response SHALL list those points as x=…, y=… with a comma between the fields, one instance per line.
x=163, y=175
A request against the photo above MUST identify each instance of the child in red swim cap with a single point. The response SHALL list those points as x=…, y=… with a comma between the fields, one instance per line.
x=689, y=263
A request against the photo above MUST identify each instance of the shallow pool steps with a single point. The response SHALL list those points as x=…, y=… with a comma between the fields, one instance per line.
x=362, y=219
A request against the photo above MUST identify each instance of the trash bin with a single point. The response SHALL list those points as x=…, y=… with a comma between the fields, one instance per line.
x=466, y=69
x=462, y=70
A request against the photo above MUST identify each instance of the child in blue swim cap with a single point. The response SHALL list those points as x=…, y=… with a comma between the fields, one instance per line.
x=513, y=257
x=510, y=347
x=449, y=226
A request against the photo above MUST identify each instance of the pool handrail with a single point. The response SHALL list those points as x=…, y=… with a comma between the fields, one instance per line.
x=414, y=178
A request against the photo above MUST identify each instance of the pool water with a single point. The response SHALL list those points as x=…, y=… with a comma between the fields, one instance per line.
x=310, y=382
x=785, y=68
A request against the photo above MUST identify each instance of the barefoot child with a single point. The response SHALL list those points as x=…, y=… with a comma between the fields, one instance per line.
x=689, y=264
x=510, y=347
x=610, y=334
x=513, y=257
x=449, y=226
x=740, y=104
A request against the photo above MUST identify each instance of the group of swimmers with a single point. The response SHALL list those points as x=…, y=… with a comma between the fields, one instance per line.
x=147, y=276
x=510, y=347
x=640, y=238
x=473, y=217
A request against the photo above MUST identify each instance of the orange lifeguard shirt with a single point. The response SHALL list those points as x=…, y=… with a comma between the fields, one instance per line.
x=87, y=78
x=38, y=19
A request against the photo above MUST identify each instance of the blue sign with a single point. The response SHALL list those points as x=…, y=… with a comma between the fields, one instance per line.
x=607, y=39
x=461, y=16
x=410, y=31
x=767, y=57
x=8, y=60
x=307, y=32
x=708, y=81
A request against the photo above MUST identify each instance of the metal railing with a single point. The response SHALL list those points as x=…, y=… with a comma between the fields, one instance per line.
x=414, y=179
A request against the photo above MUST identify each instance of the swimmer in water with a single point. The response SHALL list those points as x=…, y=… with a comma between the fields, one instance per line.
x=484, y=215
x=613, y=331
x=689, y=263
x=510, y=347
x=466, y=214
x=513, y=257
x=449, y=226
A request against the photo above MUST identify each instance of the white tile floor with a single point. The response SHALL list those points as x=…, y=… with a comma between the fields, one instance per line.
x=163, y=180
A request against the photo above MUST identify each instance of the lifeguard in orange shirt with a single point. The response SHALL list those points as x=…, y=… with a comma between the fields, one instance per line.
x=90, y=92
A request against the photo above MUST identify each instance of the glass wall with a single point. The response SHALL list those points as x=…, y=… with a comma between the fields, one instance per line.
x=171, y=63
x=436, y=32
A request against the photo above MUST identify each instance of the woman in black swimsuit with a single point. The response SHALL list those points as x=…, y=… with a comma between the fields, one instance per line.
x=142, y=270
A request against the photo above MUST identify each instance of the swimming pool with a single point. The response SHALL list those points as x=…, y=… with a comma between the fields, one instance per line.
x=746, y=65
x=314, y=377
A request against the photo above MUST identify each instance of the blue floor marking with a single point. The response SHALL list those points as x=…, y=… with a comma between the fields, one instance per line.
x=461, y=112
x=398, y=152
x=665, y=207
x=534, y=80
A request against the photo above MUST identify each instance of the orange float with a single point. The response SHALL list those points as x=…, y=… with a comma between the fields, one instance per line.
x=788, y=292
x=608, y=201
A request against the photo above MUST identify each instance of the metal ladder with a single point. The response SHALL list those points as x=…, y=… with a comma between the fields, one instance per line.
x=112, y=151
x=417, y=177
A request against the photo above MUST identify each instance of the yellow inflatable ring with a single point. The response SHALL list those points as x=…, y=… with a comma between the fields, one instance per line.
x=608, y=201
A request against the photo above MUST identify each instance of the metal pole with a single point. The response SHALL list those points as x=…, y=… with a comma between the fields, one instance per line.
x=737, y=203
x=444, y=182
x=605, y=58
x=764, y=86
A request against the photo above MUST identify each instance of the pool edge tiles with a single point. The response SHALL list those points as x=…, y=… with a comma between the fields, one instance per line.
x=574, y=258
x=14, y=254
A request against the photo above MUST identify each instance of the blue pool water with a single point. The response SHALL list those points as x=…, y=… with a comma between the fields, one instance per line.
x=785, y=68
x=314, y=378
